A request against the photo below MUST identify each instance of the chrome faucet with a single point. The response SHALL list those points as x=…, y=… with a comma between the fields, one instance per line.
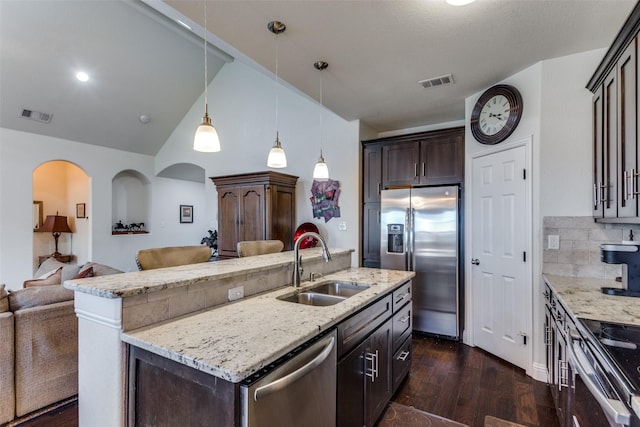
x=297, y=259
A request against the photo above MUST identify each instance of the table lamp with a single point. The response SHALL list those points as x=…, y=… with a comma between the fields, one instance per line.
x=56, y=224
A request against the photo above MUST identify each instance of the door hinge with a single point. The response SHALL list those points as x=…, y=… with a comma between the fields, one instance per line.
x=524, y=256
x=524, y=174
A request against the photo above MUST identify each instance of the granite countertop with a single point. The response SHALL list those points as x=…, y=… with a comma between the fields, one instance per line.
x=235, y=340
x=583, y=298
x=142, y=282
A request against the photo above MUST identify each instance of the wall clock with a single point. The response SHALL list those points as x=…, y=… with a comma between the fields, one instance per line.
x=496, y=114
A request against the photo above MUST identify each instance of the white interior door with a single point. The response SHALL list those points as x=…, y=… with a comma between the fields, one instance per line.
x=500, y=230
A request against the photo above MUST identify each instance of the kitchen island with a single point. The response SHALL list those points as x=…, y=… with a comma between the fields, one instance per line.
x=181, y=313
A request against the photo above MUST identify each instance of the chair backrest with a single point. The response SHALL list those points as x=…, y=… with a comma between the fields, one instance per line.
x=259, y=247
x=149, y=259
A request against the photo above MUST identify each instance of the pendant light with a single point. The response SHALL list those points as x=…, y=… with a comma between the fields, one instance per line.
x=321, y=171
x=277, y=158
x=206, y=138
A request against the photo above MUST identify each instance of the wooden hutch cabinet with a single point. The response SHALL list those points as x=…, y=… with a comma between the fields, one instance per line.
x=255, y=206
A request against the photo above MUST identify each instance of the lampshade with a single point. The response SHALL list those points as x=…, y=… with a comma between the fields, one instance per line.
x=206, y=138
x=320, y=170
x=55, y=224
x=277, y=158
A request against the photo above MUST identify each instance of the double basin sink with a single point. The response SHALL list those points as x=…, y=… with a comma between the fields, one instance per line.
x=325, y=293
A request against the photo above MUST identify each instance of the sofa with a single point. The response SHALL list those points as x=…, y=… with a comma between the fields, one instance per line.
x=39, y=339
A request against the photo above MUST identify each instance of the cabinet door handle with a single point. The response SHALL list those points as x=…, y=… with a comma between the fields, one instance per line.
x=401, y=297
x=379, y=188
x=415, y=170
x=403, y=356
x=596, y=202
x=372, y=372
x=404, y=319
x=564, y=374
x=424, y=169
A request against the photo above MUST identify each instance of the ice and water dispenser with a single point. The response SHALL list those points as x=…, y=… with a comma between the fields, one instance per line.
x=395, y=238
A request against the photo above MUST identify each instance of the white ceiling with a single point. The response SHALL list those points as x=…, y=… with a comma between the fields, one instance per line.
x=377, y=52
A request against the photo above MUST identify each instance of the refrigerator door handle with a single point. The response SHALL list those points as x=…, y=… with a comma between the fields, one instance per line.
x=407, y=240
x=412, y=243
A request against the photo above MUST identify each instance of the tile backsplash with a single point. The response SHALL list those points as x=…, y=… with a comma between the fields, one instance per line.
x=580, y=240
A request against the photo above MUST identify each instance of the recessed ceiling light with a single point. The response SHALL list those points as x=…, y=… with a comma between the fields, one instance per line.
x=459, y=2
x=82, y=76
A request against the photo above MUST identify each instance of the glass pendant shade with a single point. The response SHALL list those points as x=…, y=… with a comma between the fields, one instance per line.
x=206, y=138
x=277, y=158
x=320, y=170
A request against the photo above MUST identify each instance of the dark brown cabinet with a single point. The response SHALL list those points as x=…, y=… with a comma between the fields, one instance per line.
x=255, y=206
x=372, y=173
x=429, y=159
x=614, y=120
x=365, y=380
x=421, y=159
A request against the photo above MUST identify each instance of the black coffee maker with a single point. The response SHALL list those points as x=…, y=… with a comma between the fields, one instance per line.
x=629, y=257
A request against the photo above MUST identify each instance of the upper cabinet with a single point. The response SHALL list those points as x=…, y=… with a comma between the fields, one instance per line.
x=615, y=117
x=431, y=158
x=372, y=173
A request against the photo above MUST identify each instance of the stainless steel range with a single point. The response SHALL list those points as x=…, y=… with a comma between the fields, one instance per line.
x=604, y=363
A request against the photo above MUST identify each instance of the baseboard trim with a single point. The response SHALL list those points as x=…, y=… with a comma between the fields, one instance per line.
x=539, y=372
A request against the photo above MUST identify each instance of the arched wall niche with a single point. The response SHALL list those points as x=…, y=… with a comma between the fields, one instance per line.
x=61, y=186
x=130, y=203
x=184, y=172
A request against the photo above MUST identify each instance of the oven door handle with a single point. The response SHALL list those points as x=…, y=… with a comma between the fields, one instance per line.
x=614, y=409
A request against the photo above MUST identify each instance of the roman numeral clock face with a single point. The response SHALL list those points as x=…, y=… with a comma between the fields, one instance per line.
x=496, y=114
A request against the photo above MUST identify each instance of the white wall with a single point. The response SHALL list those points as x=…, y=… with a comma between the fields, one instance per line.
x=566, y=153
x=21, y=153
x=242, y=108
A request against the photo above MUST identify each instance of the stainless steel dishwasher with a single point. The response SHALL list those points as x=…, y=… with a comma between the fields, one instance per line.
x=297, y=390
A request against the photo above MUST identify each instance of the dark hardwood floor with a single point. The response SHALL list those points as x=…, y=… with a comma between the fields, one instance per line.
x=465, y=384
x=448, y=379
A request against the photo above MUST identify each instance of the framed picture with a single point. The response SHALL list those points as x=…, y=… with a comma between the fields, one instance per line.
x=186, y=214
x=80, y=210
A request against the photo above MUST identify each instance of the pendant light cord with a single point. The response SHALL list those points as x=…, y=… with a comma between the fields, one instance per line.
x=206, y=101
x=277, y=104
x=321, y=113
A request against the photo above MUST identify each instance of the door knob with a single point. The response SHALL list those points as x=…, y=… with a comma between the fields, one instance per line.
x=475, y=261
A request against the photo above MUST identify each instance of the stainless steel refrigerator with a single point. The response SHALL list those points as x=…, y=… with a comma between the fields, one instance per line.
x=420, y=232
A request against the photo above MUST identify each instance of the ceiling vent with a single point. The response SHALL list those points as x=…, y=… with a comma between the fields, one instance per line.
x=437, y=81
x=36, y=115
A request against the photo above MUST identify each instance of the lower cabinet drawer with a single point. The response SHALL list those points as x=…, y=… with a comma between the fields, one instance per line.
x=401, y=363
x=402, y=326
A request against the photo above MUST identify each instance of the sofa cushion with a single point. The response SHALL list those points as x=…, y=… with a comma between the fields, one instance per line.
x=87, y=272
x=50, y=264
x=46, y=348
x=4, y=301
x=53, y=278
x=38, y=295
x=100, y=269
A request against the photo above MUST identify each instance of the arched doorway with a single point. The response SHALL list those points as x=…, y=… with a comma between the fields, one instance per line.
x=62, y=188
